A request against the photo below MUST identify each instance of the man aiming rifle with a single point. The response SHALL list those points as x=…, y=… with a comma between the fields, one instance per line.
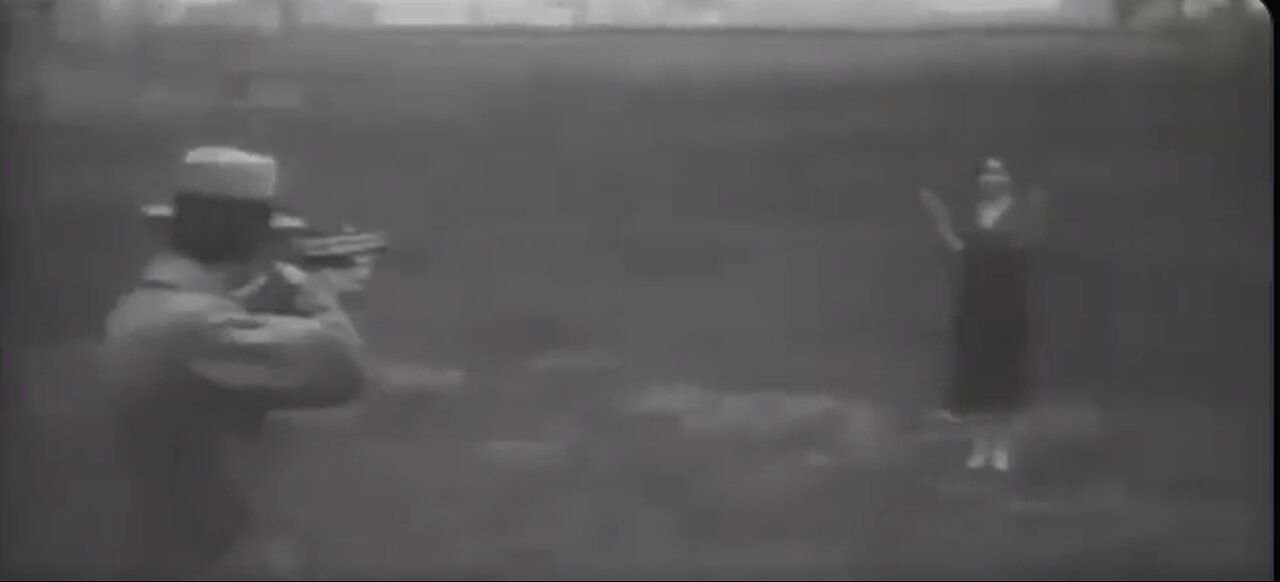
x=194, y=372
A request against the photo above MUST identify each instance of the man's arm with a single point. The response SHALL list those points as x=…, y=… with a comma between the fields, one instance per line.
x=313, y=300
x=285, y=361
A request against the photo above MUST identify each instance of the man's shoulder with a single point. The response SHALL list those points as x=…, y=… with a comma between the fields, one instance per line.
x=151, y=312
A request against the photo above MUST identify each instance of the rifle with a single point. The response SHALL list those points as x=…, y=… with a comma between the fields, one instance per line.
x=311, y=253
x=344, y=250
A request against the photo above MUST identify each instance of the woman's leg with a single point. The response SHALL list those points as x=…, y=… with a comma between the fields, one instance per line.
x=1002, y=448
x=980, y=450
x=992, y=444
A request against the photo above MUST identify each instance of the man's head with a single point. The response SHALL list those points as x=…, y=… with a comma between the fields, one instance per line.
x=994, y=181
x=223, y=213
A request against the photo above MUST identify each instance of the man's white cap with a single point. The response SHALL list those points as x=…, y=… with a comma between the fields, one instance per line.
x=227, y=171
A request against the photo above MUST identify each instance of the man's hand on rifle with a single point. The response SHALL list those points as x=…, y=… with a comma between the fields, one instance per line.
x=315, y=272
x=344, y=262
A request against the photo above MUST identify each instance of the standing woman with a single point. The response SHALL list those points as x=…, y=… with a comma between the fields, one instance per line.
x=991, y=238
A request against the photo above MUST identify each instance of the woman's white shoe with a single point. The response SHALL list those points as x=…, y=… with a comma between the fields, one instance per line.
x=980, y=455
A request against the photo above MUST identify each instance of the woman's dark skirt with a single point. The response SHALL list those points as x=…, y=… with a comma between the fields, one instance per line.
x=992, y=355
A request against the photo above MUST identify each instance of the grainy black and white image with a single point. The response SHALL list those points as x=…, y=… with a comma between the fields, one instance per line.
x=637, y=290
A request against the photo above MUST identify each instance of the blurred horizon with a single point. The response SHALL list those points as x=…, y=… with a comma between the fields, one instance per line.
x=784, y=14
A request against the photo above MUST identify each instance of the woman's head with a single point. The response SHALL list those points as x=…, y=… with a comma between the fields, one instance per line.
x=994, y=180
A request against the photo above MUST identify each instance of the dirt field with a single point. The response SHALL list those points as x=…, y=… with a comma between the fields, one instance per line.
x=734, y=212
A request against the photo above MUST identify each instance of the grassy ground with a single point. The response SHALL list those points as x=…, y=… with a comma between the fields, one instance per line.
x=735, y=212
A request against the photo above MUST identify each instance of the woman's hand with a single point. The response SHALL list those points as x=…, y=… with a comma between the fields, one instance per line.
x=933, y=204
x=942, y=218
